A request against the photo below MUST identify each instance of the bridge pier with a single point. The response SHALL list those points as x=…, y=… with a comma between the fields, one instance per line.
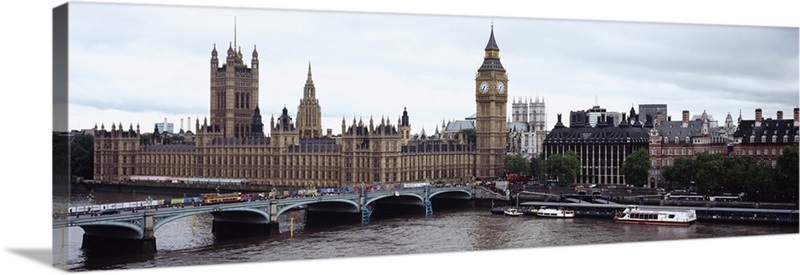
x=365, y=212
x=111, y=244
x=273, y=226
x=149, y=239
x=427, y=202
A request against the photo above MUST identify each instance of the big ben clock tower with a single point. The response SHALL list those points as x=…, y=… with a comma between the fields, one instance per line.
x=491, y=95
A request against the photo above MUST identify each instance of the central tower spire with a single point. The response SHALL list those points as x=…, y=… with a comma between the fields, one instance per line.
x=309, y=113
x=234, y=32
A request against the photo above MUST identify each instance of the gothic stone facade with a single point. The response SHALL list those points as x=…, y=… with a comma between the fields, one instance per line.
x=233, y=143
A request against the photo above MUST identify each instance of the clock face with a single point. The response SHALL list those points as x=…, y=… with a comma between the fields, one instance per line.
x=501, y=88
x=484, y=87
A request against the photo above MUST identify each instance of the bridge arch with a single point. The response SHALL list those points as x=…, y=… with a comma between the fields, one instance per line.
x=421, y=199
x=125, y=230
x=467, y=192
x=168, y=219
x=290, y=206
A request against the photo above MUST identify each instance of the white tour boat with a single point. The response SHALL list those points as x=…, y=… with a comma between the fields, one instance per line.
x=512, y=211
x=632, y=214
x=555, y=213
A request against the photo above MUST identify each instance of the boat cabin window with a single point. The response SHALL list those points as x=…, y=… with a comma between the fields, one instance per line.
x=671, y=216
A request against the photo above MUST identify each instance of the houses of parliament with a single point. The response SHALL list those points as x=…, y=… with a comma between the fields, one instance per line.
x=235, y=143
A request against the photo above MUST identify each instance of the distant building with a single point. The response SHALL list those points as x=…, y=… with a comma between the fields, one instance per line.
x=602, y=148
x=685, y=138
x=653, y=110
x=764, y=138
x=528, y=127
x=165, y=127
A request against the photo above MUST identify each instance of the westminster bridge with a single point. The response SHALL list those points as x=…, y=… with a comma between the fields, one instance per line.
x=134, y=230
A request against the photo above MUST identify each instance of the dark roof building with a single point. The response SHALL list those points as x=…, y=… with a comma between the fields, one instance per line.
x=764, y=139
x=602, y=149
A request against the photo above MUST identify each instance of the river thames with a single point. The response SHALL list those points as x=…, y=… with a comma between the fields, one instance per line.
x=452, y=228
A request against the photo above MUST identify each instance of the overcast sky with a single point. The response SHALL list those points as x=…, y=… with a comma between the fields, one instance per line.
x=140, y=64
x=27, y=63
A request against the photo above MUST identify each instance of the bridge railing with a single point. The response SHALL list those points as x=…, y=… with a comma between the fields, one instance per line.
x=164, y=211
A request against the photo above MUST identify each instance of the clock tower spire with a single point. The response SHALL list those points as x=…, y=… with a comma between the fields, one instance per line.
x=491, y=95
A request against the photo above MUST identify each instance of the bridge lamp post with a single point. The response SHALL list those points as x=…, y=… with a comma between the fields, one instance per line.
x=149, y=201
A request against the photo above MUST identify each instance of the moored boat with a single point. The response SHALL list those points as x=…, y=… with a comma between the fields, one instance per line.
x=632, y=214
x=555, y=213
x=512, y=211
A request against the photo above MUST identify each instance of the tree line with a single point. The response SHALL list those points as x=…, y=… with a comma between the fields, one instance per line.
x=714, y=173
x=706, y=173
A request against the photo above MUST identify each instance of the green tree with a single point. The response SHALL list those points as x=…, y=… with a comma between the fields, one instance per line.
x=81, y=155
x=535, y=169
x=708, y=172
x=469, y=135
x=563, y=168
x=740, y=174
x=761, y=187
x=681, y=173
x=636, y=167
x=146, y=138
x=516, y=164
x=786, y=173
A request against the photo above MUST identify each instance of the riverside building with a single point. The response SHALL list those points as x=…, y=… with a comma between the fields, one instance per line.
x=235, y=142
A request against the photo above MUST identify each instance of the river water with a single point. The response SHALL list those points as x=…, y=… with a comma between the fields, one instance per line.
x=464, y=227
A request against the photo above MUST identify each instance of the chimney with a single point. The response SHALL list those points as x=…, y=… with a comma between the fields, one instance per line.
x=780, y=115
x=659, y=118
x=685, y=118
x=758, y=115
x=329, y=133
x=796, y=115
